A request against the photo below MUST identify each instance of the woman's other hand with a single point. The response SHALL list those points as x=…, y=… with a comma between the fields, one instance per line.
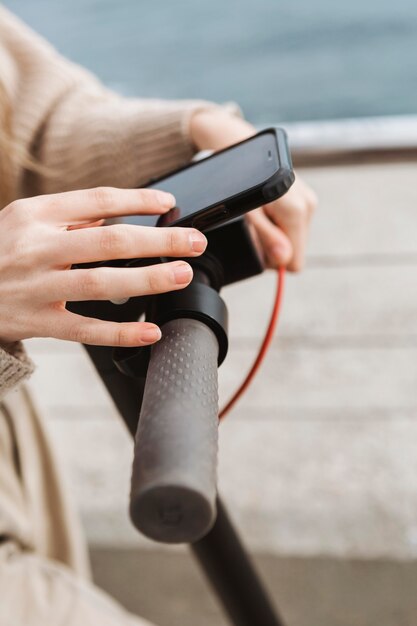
x=42, y=237
x=281, y=226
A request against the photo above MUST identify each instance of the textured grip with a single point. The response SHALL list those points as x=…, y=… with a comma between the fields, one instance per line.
x=174, y=470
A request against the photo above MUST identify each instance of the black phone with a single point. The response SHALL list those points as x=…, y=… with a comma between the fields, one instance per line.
x=227, y=184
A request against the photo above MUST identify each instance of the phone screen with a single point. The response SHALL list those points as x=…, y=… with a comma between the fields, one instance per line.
x=210, y=181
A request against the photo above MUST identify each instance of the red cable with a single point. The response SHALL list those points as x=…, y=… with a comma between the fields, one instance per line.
x=265, y=344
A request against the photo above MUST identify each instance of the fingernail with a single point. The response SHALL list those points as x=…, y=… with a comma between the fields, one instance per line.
x=150, y=335
x=167, y=200
x=182, y=273
x=198, y=241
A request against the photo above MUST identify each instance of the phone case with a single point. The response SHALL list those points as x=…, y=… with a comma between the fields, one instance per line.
x=271, y=189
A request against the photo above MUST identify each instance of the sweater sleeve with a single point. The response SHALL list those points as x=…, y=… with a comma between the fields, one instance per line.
x=15, y=366
x=82, y=133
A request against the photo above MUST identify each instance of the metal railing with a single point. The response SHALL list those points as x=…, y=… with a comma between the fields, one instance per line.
x=361, y=140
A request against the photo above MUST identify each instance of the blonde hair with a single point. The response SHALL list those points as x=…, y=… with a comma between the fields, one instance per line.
x=13, y=156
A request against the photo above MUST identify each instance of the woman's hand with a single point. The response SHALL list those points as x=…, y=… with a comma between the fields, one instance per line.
x=40, y=238
x=281, y=226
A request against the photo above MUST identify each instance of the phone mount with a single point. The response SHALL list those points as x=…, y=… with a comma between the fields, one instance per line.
x=173, y=387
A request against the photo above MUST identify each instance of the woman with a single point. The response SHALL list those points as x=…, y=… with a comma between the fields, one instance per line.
x=61, y=130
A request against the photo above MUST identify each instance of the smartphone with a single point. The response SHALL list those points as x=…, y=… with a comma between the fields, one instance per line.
x=227, y=184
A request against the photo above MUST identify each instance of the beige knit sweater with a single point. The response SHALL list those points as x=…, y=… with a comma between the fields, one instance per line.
x=85, y=134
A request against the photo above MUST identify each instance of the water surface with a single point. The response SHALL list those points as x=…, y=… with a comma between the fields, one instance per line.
x=281, y=60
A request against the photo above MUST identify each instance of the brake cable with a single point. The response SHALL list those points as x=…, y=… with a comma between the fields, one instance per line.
x=266, y=343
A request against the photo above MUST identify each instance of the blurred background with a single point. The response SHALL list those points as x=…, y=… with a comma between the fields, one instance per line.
x=280, y=59
x=318, y=462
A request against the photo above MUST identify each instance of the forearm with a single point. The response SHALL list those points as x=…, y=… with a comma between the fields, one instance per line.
x=98, y=138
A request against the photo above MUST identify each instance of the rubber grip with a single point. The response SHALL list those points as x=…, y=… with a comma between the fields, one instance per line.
x=173, y=487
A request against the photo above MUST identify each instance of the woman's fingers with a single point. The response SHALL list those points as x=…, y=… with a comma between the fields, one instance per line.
x=37, y=250
x=62, y=324
x=115, y=283
x=124, y=241
x=86, y=225
x=275, y=244
x=282, y=226
x=296, y=230
x=292, y=214
x=75, y=207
